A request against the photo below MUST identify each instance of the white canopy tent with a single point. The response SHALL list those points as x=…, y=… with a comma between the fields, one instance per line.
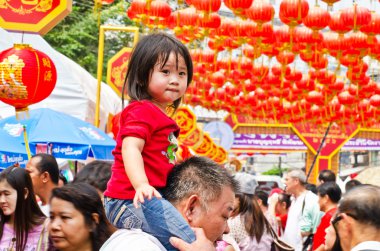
x=75, y=91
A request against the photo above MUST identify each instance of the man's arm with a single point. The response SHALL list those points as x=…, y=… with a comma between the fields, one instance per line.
x=201, y=242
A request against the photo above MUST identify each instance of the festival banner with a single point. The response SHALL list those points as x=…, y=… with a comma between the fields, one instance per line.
x=37, y=16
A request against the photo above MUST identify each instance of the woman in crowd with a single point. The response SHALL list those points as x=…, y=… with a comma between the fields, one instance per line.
x=248, y=226
x=23, y=226
x=332, y=242
x=77, y=218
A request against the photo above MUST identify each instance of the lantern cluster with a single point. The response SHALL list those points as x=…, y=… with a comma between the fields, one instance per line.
x=315, y=65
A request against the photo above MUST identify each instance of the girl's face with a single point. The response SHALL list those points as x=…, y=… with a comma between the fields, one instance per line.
x=67, y=227
x=168, y=83
x=8, y=198
x=330, y=237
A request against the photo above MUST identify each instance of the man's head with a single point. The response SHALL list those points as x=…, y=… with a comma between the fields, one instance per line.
x=43, y=170
x=295, y=180
x=326, y=176
x=204, y=193
x=351, y=184
x=96, y=173
x=329, y=195
x=358, y=216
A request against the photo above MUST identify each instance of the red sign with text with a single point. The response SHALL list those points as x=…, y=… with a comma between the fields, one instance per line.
x=314, y=134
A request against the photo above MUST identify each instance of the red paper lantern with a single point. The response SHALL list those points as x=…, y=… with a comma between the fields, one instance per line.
x=238, y=6
x=355, y=16
x=317, y=19
x=293, y=11
x=159, y=9
x=373, y=27
x=337, y=25
x=28, y=76
x=261, y=11
x=207, y=5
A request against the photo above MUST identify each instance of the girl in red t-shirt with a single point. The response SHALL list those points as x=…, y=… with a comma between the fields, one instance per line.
x=159, y=72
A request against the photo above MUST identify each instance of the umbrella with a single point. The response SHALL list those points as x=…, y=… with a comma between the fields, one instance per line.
x=11, y=153
x=369, y=175
x=57, y=133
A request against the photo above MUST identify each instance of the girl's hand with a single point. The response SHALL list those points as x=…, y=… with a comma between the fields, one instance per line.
x=147, y=191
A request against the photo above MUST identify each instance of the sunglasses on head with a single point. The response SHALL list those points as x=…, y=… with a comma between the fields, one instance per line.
x=340, y=217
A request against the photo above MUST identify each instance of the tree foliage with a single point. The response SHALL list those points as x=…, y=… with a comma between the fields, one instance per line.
x=77, y=35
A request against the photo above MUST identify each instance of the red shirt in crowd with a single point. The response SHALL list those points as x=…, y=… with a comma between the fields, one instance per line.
x=319, y=236
x=144, y=120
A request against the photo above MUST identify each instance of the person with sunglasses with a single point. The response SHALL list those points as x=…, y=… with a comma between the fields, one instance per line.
x=357, y=221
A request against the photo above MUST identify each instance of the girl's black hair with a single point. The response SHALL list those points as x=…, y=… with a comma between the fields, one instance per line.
x=150, y=50
x=27, y=214
x=86, y=200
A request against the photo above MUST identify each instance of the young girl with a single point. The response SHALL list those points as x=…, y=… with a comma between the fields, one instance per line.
x=159, y=72
x=22, y=223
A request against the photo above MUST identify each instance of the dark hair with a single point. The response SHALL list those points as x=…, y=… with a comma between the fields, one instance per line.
x=351, y=184
x=198, y=175
x=263, y=196
x=311, y=187
x=63, y=178
x=150, y=50
x=327, y=176
x=254, y=219
x=96, y=173
x=48, y=163
x=284, y=197
x=331, y=189
x=27, y=213
x=362, y=204
x=86, y=200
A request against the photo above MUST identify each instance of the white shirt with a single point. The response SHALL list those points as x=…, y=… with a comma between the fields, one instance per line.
x=45, y=208
x=132, y=239
x=367, y=245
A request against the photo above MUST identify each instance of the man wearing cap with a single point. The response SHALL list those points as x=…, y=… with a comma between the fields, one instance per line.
x=304, y=213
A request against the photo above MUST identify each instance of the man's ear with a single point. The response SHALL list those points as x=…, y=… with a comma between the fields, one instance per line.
x=191, y=207
x=45, y=177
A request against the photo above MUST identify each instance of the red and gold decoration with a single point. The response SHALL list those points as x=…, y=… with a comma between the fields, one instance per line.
x=192, y=137
x=37, y=16
x=27, y=76
x=117, y=69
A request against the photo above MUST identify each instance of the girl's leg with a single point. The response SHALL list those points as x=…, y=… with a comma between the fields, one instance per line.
x=162, y=220
x=122, y=213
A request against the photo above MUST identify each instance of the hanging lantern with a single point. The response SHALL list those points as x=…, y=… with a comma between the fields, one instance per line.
x=317, y=19
x=207, y=5
x=355, y=16
x=238, y=6
x=372, y=28
x=27, y=76
x=261, y=11
x=293, y=11
x=336, y=24
x=159, y=9
x=375, y=100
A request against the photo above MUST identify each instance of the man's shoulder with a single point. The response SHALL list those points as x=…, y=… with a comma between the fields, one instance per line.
x=134, y=240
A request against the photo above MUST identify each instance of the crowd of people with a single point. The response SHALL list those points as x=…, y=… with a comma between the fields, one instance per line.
x=148, y=200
